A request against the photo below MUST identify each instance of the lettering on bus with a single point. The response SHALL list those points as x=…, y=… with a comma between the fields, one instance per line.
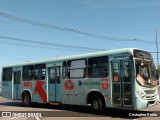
x=91, y=83
x=120, y=56
x=68, y=85
x=27, y=84
x=80, y=83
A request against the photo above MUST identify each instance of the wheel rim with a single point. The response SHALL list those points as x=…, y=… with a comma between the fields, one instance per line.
x=27, y=100
x=95, y=104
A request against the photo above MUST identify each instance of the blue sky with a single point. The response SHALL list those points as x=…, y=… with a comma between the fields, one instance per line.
x=118, y=19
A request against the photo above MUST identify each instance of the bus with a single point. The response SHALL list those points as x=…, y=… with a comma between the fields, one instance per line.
x=120, y=78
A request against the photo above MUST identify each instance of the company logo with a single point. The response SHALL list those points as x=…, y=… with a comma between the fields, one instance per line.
x=6, y=114
x=80, y=83
x=68, y=85
x=16, y=114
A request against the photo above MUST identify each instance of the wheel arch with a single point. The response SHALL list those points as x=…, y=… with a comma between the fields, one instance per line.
x=26, y=91
x=95, y=93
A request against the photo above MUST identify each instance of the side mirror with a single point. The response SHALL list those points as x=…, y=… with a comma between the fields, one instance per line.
x=157, y=74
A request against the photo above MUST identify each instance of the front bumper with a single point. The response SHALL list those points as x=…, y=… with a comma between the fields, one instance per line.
x=140, y=103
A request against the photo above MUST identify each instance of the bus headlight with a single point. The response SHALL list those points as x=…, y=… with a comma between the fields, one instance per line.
x=141, y=94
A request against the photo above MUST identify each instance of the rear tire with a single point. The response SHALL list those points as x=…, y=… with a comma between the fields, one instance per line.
x=97, y=104
x=27, y=99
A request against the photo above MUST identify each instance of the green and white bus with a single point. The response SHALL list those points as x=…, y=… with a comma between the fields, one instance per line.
x=123, y=78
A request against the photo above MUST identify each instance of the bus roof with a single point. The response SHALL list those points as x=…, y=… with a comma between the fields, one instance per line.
x=78, y=56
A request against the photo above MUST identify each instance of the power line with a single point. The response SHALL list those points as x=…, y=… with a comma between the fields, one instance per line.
x=155, y=52
x=40, y=24
x=38, y=46
x=31, y=43
x=17, y=58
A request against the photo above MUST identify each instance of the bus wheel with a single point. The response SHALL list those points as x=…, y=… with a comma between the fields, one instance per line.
x=97, y=104
x=27, y=99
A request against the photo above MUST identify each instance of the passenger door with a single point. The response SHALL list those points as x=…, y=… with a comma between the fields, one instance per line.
x=54, y=80
x=16, y=84
x=122, y=83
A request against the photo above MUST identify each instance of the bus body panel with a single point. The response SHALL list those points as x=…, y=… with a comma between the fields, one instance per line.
x=7, y=90
x=73, y=93
x=39, y=91
x=116, y=91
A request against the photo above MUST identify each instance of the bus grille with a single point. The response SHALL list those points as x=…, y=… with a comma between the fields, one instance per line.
x=151, y=97
x=151, y=102
x=149, y=91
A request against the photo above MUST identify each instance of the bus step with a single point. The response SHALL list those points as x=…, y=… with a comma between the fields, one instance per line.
x=54, y=103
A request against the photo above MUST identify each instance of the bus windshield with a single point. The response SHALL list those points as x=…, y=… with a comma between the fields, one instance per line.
x=145, y=73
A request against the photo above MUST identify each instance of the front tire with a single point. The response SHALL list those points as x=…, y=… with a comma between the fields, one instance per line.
x=27, y=99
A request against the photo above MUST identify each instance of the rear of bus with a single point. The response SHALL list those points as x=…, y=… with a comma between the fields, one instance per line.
x=6, y=83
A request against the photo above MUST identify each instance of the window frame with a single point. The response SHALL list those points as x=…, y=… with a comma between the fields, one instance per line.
x=64, y=70
x=25, y=75
x=69, y=69
x=40, y=71
x=4, y=78
x=98, y=67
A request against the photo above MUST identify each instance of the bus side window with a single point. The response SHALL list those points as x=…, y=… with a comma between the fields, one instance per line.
x=7, y=74
x=98, y=67
x=77, y=68
x=40, y=71
x=28, y=72
x=126, y=71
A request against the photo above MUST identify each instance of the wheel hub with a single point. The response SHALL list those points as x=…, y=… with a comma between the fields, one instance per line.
x=95, y=105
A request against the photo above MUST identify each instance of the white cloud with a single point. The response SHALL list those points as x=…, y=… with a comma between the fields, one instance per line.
x=118, y=4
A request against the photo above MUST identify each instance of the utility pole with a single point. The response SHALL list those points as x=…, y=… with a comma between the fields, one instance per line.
x=158, y=74
x=157, y=48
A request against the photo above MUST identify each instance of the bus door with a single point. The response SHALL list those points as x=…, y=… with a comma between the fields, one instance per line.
x=16, y=84
x=122, y=83
x=54, y=81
